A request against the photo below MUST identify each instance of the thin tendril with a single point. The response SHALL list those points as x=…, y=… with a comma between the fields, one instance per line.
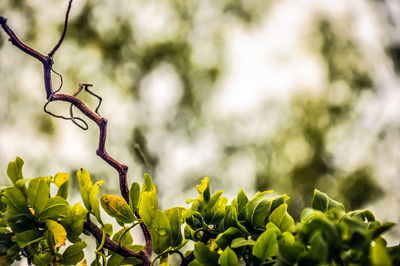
x=64, y=31
x=97, y=96
x=73, y=118
x=61, y=81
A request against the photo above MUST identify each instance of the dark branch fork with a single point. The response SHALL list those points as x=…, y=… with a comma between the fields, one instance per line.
x=101, y=122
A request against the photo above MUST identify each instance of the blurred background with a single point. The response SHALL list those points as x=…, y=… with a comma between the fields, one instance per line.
x=288, y=95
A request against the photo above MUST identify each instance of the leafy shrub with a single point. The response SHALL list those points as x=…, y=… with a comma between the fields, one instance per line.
x=46, y=229
x=256, y=231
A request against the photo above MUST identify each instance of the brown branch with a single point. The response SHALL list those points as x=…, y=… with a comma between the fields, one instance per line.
x=64, y=31
x=45, y=60
x=114, y=246
x=188, y=259
x=14, y=40
x=101, y=150
x=101, y=122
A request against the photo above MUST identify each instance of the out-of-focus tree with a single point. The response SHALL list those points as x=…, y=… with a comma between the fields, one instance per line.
x=129, y=49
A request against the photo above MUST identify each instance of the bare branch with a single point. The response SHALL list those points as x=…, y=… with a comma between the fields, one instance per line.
x=46, y=60
x=113, y=246
x=101, y=122
x=14, y=40
x=64, y=31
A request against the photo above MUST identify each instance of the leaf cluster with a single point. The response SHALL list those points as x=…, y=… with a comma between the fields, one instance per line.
x=253, y=231
x=36, y=224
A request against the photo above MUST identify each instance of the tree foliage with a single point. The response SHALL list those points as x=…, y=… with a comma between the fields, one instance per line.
x=37, y=224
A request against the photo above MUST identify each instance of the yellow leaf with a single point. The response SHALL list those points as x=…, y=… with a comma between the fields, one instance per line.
x=58, y=232
x=117, y=207
x=94, y=202
x=60, y=179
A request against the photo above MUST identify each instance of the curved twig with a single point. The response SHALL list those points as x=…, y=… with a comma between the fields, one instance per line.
x=101, y=122
x=114, y=246
x=74, y=119
x=64, y=31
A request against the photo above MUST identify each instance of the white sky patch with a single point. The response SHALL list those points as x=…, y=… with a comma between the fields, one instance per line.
x=160, y=92
x=270, y=61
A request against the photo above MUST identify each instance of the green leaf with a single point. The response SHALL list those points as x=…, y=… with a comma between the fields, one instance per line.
x=217, y=212
x=322, y=202
x=266, y=245
x=56, y=207
x=5, y=243
x=73, y=222
x=214, y=199
x=228, y=258
x=193, y=219
x=14, y=172
x=21, y=222
x=271, y=225
x=15, y=201
x=328, y=228
x=108, y=229
x=28, y=237
x=116, y=207
x=85, y=184
x=73, y=254
x=204, y=189
x=282, y=219
x=224, y=239
x=38, y=193
x=13, y=253
x=195, y=263
x=148, y=206
x=242, y=242
x=131, y=261
x=377, y=231
x=319, y=248
x=136, y=248
x=257, y=211
x=175, y=222
x=147, y=183
x=160, y=232
x=126, y=237
x=188, y=232
x=204, y=255
x=43, y=258
x=288, y=249
x=238, y=224
x=379, y=254
x=278, y=201
x=115, y=259
x=94, y=202
x=134, y=196
x=197, y=204
x=229, y=219
x=58, y=232
x=61, y=180
x=242, y=201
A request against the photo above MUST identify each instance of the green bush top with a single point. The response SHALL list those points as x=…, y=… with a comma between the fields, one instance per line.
x=257, y=231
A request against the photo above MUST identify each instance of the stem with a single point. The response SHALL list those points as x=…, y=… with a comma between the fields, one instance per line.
x=113, y=246
x=101, y=122
x=126, y=230
x=64, y=31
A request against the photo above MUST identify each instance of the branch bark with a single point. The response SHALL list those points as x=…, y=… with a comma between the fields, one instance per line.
x=51, y=95
x=113, y=246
